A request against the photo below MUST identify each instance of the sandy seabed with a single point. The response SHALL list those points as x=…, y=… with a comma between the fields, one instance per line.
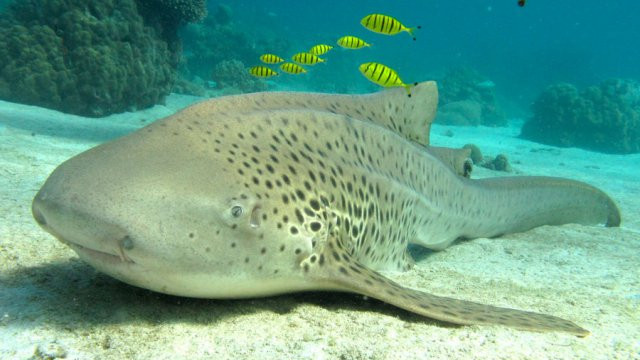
x=52, y=305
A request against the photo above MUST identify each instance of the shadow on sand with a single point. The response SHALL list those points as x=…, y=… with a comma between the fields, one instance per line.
x=72, y=294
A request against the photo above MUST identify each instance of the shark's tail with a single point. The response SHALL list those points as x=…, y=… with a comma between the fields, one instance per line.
x=520, y=203
x=502, y=205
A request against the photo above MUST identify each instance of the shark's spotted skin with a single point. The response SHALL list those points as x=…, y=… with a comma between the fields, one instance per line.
x=277, y=192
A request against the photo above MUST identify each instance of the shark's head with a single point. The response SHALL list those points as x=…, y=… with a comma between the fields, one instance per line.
x=152, y=213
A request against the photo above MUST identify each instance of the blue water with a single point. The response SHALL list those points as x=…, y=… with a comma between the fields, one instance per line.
x=522, y=50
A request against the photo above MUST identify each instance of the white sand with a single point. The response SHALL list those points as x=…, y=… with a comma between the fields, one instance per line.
x=51, y=301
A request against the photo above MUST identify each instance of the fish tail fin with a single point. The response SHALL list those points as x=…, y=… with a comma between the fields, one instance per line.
x=408, y=88
x=412, y=30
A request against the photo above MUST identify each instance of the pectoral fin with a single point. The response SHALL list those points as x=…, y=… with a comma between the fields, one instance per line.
x=335, y=265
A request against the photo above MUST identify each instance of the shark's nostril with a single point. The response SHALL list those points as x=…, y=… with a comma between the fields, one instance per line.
x=126, y=242
x=255, y=217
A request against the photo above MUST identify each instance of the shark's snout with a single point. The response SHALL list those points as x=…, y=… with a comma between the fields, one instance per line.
x=84, y=233
x=37, y=213
x=39, y=207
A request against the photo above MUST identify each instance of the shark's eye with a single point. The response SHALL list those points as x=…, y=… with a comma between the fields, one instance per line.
x=237, y=211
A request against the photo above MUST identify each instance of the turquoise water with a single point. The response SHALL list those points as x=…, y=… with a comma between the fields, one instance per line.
x=522, y=50
x=96, y=58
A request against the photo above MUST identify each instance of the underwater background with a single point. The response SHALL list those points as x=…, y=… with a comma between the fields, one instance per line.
x=493, y=60
x=522, y=49
x=549, y=88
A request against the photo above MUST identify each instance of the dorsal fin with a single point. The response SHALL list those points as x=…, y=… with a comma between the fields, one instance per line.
x=411, y=117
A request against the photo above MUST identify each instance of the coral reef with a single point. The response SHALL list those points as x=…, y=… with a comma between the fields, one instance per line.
x=467, y=98
x=217, y=44
x=461, y=113
x=87, y=57
x=233, y=77
x=182, y=86
x=222, y=15
x=92, y=57
x=499, y=163
x=184, y=10
x=604, y=117
x=475, y=154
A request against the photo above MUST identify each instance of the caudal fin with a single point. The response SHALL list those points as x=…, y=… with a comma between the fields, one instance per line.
x=412, y=31
x=519, y=203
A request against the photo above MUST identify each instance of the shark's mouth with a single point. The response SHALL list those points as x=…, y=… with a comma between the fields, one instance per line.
x=87, y=253
x=113, y=240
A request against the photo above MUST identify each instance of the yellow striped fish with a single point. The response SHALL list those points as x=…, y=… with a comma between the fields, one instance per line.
x=352, y=42
x=306, y=58
x=271, y=59
x=292, y=68
x=320, y=49
x=262, y=71
x=383, y=75
x=384, y=24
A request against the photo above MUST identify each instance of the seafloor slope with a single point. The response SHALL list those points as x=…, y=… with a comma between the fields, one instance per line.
x=51, y=301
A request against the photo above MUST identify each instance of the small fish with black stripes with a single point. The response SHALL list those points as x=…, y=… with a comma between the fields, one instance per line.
x=320, y=49
x=387, y=25
x=352, y=42
x=262, y=72
x=271, y=59
x=306, y=58
x=383, y=75
x=291, y=68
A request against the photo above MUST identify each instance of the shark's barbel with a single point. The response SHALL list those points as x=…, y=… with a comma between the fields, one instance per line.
x=269, y=193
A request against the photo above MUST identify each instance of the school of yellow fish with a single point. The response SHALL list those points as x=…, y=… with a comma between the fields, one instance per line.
x=375, y=72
